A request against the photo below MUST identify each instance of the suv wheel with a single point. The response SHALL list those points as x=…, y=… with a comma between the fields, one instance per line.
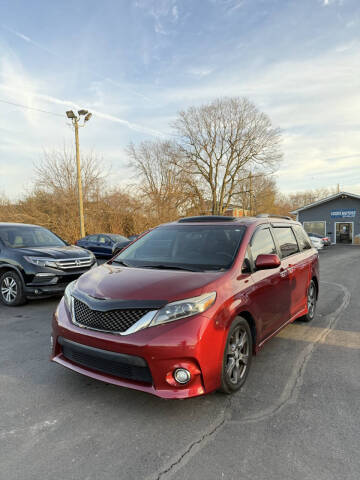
x=311, y=302
x=11, y=289
x=237, y=356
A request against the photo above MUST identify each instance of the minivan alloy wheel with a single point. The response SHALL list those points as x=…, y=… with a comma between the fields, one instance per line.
x=237, y=355
x=311, y=300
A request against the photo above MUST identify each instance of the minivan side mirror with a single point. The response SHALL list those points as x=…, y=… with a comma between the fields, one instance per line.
x=264, y=262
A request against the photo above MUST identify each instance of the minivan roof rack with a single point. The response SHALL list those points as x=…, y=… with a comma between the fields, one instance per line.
x=269, y=215
x=207, y=219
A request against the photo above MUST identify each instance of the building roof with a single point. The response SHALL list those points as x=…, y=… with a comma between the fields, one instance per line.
x=327, y=199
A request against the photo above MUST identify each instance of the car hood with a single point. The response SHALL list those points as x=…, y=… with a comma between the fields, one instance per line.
x=67, y=251
x=122, y=283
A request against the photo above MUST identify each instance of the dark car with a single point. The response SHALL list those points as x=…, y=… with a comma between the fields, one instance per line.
x=35, y=262
x=181, y=311
x=118, y=246
x=101, y=244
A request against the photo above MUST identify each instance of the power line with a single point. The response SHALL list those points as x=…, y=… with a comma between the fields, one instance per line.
x=31, y=108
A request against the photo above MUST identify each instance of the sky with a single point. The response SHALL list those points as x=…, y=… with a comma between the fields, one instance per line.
x=136, y=63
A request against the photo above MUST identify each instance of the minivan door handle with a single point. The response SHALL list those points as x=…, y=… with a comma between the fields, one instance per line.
x=283, y=272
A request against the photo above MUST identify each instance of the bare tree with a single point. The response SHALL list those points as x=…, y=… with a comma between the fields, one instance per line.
x=56, y=173
x=167, y=190
x=221, y=141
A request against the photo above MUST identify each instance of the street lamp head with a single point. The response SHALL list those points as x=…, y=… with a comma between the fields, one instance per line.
x=88, y=116
x=82, y=112
x=70, y=114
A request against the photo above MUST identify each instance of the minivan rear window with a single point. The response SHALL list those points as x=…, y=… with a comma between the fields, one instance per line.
x=203, y=247
x=287, y=241
x=303, y=239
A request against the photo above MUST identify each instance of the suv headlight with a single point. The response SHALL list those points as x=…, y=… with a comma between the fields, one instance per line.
x=42, y=261
x=184, y=308
x=91, y=255
x=68, y=299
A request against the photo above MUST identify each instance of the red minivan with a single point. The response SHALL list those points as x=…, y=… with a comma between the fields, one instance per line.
x=181, y=311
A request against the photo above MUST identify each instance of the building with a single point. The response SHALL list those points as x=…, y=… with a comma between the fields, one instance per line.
x=236, y=211
x=337, y=217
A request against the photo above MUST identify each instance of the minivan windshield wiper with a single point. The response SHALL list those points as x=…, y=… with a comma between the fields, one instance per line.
x=164, y=266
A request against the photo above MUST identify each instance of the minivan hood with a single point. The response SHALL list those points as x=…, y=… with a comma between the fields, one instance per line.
x=67, y=251
x=122, y=283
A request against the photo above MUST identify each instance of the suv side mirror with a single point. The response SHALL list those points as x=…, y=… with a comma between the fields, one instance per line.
x=263, y=262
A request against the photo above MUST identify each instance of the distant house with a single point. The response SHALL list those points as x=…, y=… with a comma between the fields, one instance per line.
x=236, y=211
x=337, y=217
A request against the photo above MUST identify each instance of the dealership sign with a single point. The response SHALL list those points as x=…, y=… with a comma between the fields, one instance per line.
x=343, y=213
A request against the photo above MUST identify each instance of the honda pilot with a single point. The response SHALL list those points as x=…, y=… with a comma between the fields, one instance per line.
x=34, y=262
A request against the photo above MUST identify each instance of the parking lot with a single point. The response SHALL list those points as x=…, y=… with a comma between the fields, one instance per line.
x=298, y=416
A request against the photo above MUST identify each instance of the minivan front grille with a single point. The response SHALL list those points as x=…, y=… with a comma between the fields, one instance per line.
x=68, y=263
x=129, y=367
x=110, y=321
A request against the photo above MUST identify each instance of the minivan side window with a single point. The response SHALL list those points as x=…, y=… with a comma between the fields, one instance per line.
x=287, y=241
x=262, y=243
x=246, y=266
x=302, y=237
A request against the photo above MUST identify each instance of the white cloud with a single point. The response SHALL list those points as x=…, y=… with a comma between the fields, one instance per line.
x=175, y=12
x=316, y=102
x=28, y=40
x=200, y=71
x=30, y=96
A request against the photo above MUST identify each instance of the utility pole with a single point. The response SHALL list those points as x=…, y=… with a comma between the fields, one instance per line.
x=250, y=193
x=75, y=121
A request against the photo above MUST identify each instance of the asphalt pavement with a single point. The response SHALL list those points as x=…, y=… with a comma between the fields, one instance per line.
x=298, y=416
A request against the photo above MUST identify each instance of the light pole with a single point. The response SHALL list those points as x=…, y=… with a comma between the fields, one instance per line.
x=75, y=121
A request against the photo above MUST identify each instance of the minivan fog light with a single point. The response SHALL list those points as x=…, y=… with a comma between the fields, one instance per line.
x=182, y=375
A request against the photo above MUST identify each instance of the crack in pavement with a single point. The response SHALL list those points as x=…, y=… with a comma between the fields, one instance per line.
x=192, y=448
x=289, y=395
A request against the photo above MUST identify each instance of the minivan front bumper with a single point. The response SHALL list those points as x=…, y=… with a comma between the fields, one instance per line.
x=145, y=360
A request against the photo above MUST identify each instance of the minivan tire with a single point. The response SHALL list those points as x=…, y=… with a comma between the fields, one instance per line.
x=237, y=356
x=311, y=302
x=11, y=289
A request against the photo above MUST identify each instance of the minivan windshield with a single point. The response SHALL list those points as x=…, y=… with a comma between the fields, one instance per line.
x=185, y=247
x=26, y=237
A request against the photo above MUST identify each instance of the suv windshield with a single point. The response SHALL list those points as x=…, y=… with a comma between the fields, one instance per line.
x=24, y=237
x=188, y=247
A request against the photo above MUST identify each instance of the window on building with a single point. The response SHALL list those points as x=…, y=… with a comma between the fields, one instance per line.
x=315, y=227
x=287, y=241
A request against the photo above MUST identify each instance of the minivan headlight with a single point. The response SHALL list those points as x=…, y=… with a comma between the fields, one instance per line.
x=68, y=295
x=184, y=308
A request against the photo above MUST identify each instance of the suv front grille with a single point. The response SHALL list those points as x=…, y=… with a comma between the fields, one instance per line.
x=67, y=263
x=110, y=321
